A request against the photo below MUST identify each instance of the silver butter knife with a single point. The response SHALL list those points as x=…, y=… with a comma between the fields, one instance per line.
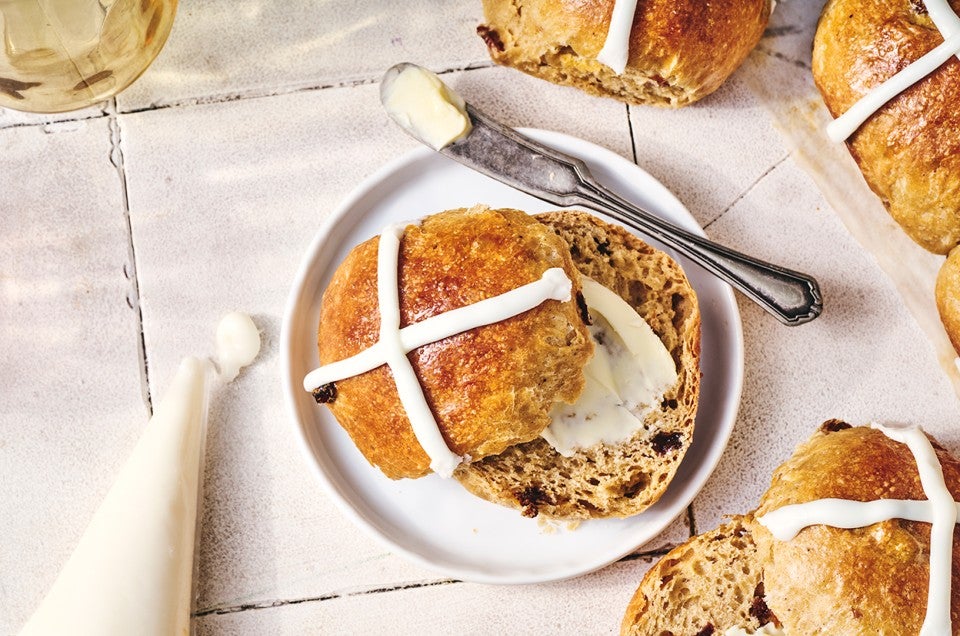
x=506, y=155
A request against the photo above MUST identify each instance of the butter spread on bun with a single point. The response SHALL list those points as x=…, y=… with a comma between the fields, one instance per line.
x=600, y=478
x=625, y=379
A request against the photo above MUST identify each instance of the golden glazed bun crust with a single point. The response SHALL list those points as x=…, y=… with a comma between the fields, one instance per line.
x=947, y=294
x=909, y=152
x=489, y=388
x=869, y=580
x=680, y=50
x=610, y=480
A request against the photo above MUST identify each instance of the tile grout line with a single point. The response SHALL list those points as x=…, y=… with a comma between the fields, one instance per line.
x=260, y=605
x=771, y=33
x=56, y=120
x=633, y=141
x=132, y=275
x=234, y=609
x=111, y=109
x=783, y=58
x=652, y=554
x=226, y=98
x=748, y=189
x=223, y=98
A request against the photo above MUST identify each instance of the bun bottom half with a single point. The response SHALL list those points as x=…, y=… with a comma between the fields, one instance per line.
x=609, y=480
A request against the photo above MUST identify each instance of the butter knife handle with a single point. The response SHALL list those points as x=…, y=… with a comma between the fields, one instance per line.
x=792, y=297
x=524, y=163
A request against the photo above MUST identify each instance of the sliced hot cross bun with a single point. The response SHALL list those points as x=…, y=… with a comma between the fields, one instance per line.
x=859, y=563
x=575, y=403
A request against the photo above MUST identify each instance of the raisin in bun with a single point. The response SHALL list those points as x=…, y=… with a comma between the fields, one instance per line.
x=863, y=580
x=489, y=388
x=624, y=478
x=679, y=50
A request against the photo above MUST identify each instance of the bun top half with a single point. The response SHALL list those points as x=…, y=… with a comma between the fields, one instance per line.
x=490, y=387
x=868, y=580
x=909, y=151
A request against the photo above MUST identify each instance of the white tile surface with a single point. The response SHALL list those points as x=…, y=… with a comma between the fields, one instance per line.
x=229, y=48
x=593, y=604
x=250, y=197
x=227, y=183
x=233, y=215
x=71, y=406
x=710, y=153
x=522, y=101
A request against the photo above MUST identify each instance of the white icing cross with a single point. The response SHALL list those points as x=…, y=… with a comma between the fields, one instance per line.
x=940, y=510
x=395, y=343
x=948, y=23
x=616, y=47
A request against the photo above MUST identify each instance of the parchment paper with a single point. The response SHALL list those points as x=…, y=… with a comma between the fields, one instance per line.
x=778, y=72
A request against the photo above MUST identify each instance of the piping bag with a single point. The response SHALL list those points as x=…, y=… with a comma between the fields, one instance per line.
x=133, y=570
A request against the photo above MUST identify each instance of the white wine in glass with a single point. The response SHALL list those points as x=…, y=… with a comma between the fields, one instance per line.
x=60, y=55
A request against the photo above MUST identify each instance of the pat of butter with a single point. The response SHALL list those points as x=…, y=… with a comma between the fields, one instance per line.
x=426, y=107
x=625, y=379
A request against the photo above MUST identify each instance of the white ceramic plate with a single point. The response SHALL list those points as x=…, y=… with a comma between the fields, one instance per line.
x=435, y=522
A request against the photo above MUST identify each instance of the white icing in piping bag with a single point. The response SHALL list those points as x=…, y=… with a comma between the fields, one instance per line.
x=131, y=572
